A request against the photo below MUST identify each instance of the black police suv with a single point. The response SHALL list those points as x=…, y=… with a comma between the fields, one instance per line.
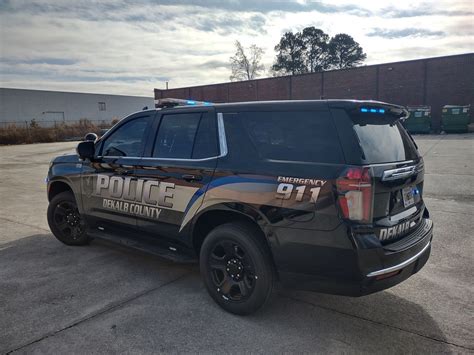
x=317, y=195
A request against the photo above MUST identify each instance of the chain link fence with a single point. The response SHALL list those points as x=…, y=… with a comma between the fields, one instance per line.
x=50, y=131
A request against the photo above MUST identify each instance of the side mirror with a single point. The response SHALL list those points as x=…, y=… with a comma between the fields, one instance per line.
x=86, y=150
x=91, y=137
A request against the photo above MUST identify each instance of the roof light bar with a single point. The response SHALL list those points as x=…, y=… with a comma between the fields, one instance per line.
x=372, y=110
x=169, y=102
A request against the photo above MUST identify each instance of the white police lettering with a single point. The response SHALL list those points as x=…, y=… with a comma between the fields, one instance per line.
x=131, y=208
x=392, y=232
x=286, y=187
x=121, y=195
x=301, y=181
x=120, y=188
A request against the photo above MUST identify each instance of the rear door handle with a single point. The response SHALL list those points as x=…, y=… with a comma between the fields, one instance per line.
x=190, y=177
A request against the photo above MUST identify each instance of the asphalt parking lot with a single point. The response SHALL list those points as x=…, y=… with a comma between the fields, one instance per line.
x=106, y=299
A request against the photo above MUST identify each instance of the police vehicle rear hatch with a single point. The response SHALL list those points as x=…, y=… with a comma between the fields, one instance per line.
x=384, y=190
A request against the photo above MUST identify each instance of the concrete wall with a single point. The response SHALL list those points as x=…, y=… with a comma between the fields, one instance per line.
x=18, y=105
x=432, y=81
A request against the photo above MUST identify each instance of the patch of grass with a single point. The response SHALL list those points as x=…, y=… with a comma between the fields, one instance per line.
x=34, y=133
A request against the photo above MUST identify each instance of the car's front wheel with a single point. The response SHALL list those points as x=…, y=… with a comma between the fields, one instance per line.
x=65, y=221
x=236, y=268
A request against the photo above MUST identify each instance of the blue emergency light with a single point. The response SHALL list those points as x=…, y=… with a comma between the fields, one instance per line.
x=372, y=110
x=170, y=102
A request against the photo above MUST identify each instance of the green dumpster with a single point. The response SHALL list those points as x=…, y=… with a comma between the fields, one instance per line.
x=455, y=118
x=419, y=119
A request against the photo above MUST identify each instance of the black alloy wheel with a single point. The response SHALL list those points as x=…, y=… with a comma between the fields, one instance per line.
x=65, y=221
x=232, y=270
x=68, y=220
x=237, y=268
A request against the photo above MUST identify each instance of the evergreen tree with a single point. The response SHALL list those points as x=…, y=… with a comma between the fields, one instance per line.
x=344, y=52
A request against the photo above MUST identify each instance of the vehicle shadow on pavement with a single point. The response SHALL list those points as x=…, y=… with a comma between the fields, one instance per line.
x=392, y=315
x=108, y=298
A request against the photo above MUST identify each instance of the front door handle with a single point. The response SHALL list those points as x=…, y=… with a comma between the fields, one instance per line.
x=190, y=177
x=124, y=171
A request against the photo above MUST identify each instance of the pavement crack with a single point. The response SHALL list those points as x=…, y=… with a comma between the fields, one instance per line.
x=460, y=199
x=376, y=322
x=24, y=224
x=111, y=307
x=433, y=146
x=454, y=212
x=447, y=174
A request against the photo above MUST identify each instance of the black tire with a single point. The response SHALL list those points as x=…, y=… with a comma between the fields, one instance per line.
x=236, y=267
x=65, y=220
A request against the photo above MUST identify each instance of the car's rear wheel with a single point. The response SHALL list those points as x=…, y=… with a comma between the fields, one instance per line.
x=236, y=268
x=65, y=221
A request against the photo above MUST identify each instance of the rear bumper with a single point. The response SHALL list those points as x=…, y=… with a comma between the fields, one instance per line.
x=377, y=269
x=400, y=266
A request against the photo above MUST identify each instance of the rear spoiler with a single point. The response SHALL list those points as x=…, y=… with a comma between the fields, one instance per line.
x=370, y=109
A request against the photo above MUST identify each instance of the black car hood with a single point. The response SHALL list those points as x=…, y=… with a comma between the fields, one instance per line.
x=67, y=158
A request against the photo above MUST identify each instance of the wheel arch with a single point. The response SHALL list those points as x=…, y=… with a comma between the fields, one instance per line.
x=56, y=187
x=221, y=214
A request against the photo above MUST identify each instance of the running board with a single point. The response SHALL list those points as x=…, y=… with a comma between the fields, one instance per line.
x=173, y=253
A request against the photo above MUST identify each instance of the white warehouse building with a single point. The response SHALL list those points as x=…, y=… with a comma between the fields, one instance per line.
x=20, y=106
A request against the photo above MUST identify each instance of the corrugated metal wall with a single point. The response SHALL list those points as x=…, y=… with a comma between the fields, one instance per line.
x=18, y=105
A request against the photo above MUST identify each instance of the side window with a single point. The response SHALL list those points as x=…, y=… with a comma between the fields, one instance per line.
x=128, y=140
x=294, y=136
x=206, y=145
x=185, y=136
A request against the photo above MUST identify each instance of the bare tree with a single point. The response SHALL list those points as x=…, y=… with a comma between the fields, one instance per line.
x=246, y=66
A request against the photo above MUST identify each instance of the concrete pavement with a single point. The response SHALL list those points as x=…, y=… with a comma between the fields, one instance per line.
x=107, y=299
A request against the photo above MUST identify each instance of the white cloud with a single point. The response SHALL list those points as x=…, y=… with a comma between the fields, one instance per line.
x=130, y=48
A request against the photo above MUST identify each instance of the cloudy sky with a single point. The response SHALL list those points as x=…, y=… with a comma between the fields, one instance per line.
x=131, y=47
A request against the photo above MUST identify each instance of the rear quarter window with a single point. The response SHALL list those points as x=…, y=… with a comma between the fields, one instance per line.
x=303, y=136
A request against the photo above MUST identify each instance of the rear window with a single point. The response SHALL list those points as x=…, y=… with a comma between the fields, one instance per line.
x=382, y=139
x=306, y=136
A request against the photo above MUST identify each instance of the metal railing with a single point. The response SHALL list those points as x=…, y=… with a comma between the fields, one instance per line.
x=55, y=123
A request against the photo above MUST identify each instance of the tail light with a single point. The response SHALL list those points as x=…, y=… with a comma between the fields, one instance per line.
x=355, y=194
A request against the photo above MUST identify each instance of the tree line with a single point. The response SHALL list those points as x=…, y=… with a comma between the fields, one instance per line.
x=308, y=51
